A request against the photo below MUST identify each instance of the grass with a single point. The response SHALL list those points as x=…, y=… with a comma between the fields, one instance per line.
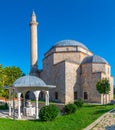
x=82, y=118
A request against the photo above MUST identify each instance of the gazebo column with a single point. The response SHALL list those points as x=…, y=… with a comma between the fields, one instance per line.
x=24, y=102
x=19, y=104
x=36, y=93
x=47, y=98
x=10, y=104
x=10, y=110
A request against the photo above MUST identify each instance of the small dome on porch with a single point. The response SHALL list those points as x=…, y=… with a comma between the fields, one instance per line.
x=29, y=81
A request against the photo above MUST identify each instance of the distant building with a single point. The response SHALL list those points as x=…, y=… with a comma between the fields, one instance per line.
x=72, y=68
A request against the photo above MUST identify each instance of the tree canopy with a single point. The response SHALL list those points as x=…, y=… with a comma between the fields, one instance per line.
x=7, y=76
x=103, y=87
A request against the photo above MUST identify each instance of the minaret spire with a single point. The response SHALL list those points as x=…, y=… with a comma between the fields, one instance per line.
x=33, y=13
x=33, y=44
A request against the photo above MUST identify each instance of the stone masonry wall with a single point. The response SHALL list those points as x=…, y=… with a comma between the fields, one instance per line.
x=98, y=67
x=70, y=80
x=88, y=85
x=59, y=81
x=54, y=75
x=73, y=56
x=47, y=73
x=89, y=79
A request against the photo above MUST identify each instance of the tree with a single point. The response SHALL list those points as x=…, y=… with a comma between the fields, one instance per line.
x=7, y=76
x=103, y=87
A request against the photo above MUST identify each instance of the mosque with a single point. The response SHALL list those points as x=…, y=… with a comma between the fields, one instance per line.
x=72, y=68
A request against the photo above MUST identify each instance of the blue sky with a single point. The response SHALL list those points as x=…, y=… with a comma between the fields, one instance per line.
x=91, y=22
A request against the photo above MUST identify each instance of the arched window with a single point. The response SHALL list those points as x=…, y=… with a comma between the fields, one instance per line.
x=56, y=95
x=85, y=95
x=75, y=95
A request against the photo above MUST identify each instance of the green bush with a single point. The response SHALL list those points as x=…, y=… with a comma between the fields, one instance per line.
x=4, y=107
x=70, y=108
x=79, y=103
x=48, y=113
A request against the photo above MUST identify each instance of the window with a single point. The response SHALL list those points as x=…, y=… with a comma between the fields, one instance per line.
x=56, y=95
x=75, y=95
x=85, y=95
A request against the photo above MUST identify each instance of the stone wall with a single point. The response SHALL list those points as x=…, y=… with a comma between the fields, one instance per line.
x=66, y=49
x=55, y=75
x=59, y=81
x=71, y=82
x=101, y=68
x=91, y=73
x=47, y=73
x=73, y=56
x=88, y=83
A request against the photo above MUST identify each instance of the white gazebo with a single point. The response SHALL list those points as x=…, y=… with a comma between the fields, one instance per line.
x=25, y=84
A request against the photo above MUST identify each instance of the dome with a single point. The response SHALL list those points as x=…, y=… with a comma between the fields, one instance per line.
x=29, y=81
x=94, y=59
x=70, y=43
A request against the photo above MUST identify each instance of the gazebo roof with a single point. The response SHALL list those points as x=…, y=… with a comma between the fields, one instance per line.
x=30, y=81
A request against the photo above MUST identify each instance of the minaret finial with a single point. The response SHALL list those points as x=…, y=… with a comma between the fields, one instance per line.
x=33, y=13
x=33, y=17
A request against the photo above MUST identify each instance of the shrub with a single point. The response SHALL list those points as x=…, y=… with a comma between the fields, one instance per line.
x=48, y=113
x=4, y=107
x=79, y=103
x=70, y=108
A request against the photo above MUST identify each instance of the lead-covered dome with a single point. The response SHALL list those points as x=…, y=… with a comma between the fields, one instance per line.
x=70, y=43
x=94, y=59
x=29, y=81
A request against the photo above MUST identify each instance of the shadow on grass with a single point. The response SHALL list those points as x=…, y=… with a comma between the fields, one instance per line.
x=36, y=120
x=98, y=106
x=101, y=111
x=90, y=106
x=41, y=121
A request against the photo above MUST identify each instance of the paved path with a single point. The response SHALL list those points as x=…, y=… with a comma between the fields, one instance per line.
x=107, y=123
x=4, y=114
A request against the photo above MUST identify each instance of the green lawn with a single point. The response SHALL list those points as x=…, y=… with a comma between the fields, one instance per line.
x=77, y=121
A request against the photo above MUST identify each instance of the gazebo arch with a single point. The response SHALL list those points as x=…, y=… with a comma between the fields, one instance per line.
x=29, y=83
x=29, y=95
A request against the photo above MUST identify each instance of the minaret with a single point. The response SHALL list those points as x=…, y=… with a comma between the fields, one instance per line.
x=33, y=45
